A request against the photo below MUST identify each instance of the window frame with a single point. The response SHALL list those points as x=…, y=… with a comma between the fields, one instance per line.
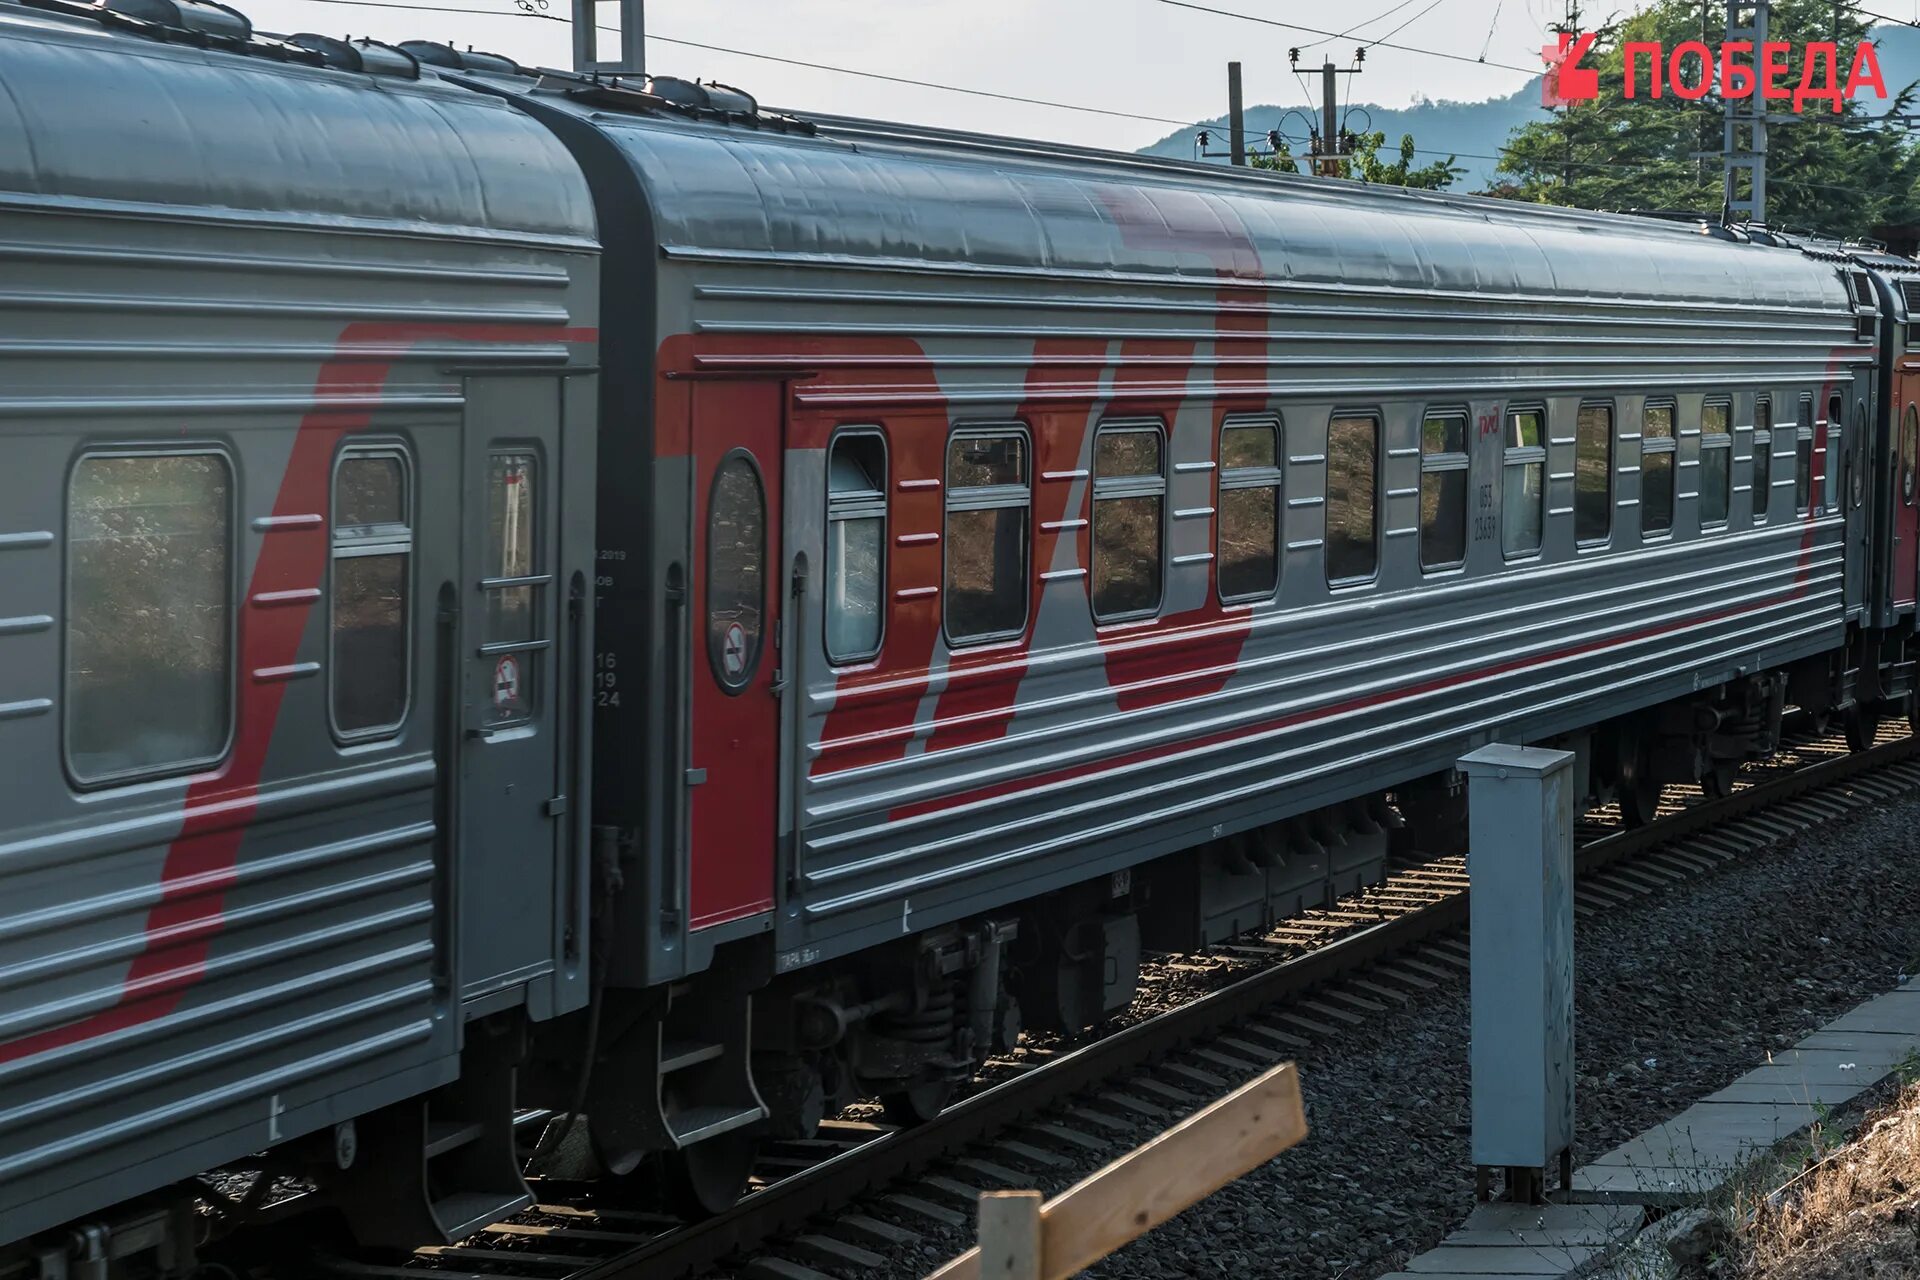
x=1523, y=455
x=1758, y=512
x=1378, y=418
x=389, y=544
x=236, y=553
x=542, y=579
x=715, y=662
x=1667, y=444
x=1803, y=435
x=1232, y=479
x=1909, y=445
x=1700, y=469
x=1129, y=487
x=1613, y=466
x=996, y=497
x=871, y=506
x=1442, y=464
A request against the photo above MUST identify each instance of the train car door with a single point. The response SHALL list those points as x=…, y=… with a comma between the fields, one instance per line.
x=512, y=682
x=1906, y=514
x=733, y=657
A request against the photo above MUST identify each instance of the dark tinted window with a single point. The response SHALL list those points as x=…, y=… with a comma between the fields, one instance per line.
x=1909, y=447
x=1353, y=467
x=1593, y=473
x=856, y=545
x=1716, y=462
x=1762, y=457
x=1657, y=452
x=1129, y=501
x=736, y=570
x=988, y=496
x=1250, y=483
x=149, y=615
x=1523, y=483
x=372, y=547
x=1443, y=490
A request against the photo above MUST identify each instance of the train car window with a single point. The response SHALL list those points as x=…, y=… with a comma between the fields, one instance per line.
x=1658, y=448
x=1909, y=448
x=1443, y=489
x=1129, y=510
x=367, y=630
x=989, y=492
x=736, y=571
x=1593, y=474
x=1716, y=461
x=149, y=648
x=1762, y=457
x=1353, y=475
x=1250, y=482
x=514, y=580
x=856, y=544
x=1803, y=449
x=1523, y=496
x=1858, y=486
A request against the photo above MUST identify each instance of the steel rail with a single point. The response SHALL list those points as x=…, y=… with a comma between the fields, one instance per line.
x=790, y=1202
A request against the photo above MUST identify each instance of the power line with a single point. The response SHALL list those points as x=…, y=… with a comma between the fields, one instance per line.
x=792, y=62
x=1315, y=31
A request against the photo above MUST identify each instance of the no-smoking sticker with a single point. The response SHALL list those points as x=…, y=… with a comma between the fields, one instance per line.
x=506, y=682
x=733, y=651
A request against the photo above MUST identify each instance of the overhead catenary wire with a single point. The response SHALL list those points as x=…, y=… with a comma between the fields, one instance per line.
x=1315, y=31
x=837, y=70
x=792, y=62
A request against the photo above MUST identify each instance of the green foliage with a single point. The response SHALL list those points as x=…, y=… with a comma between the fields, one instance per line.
x=1836, y=174
x=1364, y=163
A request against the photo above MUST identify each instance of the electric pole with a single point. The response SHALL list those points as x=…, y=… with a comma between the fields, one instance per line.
x=1236, y=115
x=1743, y=154
x=1330, y=145
x=627, y=46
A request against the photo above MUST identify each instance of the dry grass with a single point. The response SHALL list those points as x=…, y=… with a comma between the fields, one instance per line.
x=1853, y=1212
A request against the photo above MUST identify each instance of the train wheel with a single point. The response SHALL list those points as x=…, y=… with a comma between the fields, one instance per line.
x=917, y=1104
x=708, y=1177
x=1719, y=778
x=1862, y=725
x=1638, y=794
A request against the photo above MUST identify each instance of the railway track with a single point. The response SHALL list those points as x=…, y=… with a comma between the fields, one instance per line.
x=1269, y=996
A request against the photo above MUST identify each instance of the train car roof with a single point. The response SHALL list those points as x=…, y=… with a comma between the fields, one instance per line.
x=116, y=113
x=841, y=191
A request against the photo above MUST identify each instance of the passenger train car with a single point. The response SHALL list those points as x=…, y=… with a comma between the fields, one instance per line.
x=527, y=590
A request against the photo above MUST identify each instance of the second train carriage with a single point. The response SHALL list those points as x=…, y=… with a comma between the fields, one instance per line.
x=1047, y=552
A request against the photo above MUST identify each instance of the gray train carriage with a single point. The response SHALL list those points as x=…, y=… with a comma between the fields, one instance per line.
x=1046, y=553
x=295, y=543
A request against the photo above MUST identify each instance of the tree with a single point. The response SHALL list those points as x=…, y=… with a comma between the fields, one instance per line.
x=1363, y=162
x=1839, y=174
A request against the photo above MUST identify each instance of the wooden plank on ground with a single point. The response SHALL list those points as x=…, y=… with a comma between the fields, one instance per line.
x=1153, y=1183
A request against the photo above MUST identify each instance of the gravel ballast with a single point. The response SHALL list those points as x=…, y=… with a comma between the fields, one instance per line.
x=1676, y=995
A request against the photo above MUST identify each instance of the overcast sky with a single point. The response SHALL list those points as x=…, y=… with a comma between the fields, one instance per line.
x=1140, y=56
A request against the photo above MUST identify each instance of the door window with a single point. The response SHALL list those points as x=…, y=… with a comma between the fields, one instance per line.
x=372, y=544
x=856, y=545
x=515, y=586
x=736, y=570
